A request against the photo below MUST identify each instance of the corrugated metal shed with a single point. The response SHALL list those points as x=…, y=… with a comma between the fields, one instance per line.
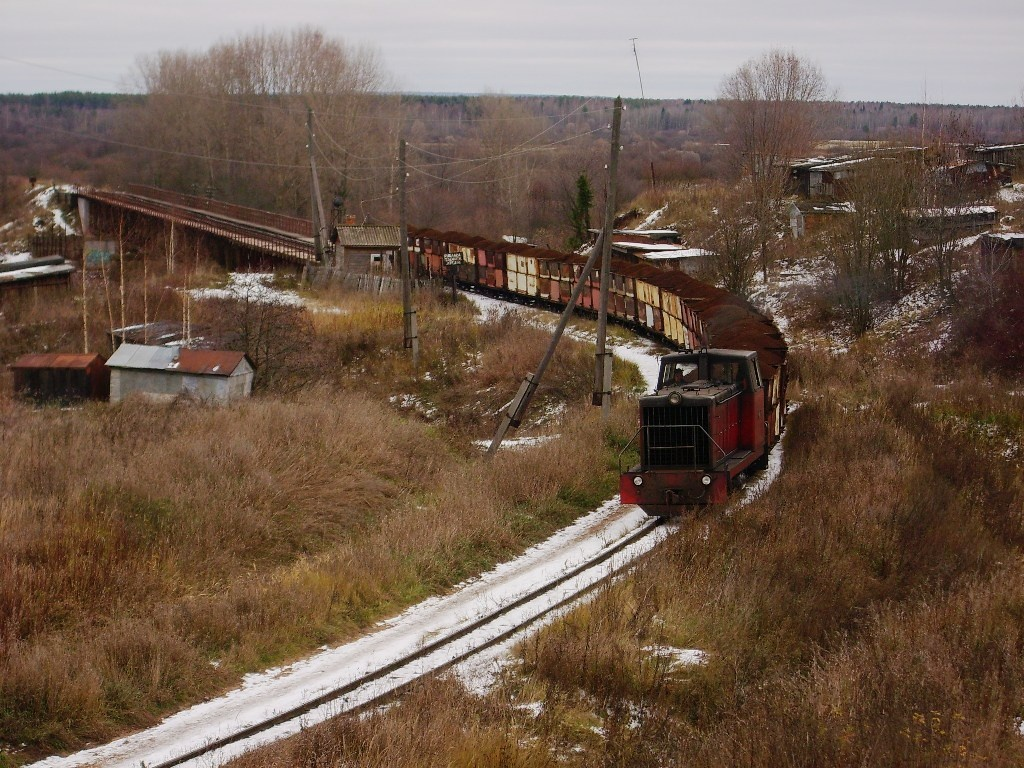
x=62, y=376
x=203, y=362
x=164, y=373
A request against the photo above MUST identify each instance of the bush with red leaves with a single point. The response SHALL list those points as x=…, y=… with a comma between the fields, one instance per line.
x=990, y=327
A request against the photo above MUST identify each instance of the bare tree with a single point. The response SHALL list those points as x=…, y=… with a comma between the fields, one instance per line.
x=772, y=109
x=947, y=206
x=231, y=121
x=882, y=194
x=872, y=245
x=508, y=138
x=852, y=249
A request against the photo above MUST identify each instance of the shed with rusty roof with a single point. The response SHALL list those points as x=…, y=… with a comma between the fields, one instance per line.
x=165, y=373
x=61, y=377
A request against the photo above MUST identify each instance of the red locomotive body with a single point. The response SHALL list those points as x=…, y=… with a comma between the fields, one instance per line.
x=699, y=432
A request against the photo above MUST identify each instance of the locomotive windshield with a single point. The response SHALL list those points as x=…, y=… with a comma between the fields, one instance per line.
x=708, y=368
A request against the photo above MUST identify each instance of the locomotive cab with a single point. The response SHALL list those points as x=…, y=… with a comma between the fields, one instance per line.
x=699, y=431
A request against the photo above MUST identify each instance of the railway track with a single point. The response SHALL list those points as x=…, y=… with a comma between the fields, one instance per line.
x=380, y=666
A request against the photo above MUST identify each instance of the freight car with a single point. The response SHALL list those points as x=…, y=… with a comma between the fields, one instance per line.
x=696, y=441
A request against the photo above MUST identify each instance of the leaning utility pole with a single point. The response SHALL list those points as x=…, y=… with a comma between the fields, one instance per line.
x=603, y=367
x=412, y=340
x=513, y=415
x=314, y=192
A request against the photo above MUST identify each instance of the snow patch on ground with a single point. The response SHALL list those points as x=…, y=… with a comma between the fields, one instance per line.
x=785, y=294
x=1012, y=194
x=678, y=658
x=517, y=443
x=644, y=354
x=256, y=287
x=45, y=200
x=652, y=218
x=413, y=403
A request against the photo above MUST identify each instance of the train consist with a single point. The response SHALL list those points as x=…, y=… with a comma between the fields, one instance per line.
x=720, y=401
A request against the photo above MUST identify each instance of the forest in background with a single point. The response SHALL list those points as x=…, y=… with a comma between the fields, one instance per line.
x=109, y=139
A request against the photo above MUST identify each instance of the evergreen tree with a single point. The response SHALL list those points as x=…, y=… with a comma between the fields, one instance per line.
x=579, y=213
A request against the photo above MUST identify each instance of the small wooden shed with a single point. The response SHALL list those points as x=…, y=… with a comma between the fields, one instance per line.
x=61, y=377
x=368, y=249
x=164, y=373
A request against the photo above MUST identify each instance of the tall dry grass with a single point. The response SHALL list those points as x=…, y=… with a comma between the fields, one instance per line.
x=438, y=725
x=866, y=611
x=143, y=542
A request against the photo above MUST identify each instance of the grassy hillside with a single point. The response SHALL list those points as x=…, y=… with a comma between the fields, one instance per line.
x=154, y=553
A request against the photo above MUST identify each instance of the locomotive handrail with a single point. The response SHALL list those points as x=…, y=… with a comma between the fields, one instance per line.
x=626, y=446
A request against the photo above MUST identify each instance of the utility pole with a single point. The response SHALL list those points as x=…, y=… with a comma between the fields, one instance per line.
x=412, y=340
x=314, y=192
x=603, y=367
x=513, y=415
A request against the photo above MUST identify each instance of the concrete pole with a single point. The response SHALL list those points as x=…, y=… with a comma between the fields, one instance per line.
x=314, y=192
x=603, y=366
x=412, y=340
x=517, y=408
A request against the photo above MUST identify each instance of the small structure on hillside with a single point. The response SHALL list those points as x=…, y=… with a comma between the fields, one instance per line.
x=369, y=249
x=164, y=373
x=996, y=242
x=61, y=377
x=51, y=271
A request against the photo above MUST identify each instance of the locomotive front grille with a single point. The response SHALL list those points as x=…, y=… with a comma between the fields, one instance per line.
x=675, y=436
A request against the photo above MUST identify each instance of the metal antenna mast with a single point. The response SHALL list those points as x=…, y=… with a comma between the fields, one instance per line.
x=650, y=152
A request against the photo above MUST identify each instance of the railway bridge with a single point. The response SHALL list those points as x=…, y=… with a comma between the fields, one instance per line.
x=238, y=234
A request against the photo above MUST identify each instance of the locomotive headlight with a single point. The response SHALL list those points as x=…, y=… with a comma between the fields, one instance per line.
x=706, y=479
x=675, y=398
x=638, y=481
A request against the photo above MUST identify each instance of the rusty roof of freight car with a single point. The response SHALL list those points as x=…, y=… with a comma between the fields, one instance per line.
x=730, y=321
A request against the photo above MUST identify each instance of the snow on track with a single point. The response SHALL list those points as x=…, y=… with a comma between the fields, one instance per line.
x=264, y=695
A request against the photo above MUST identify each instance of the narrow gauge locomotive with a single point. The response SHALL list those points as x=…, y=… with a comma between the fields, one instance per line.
x=700, y=432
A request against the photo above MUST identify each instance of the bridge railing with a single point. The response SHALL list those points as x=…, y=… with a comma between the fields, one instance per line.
x=291, y=224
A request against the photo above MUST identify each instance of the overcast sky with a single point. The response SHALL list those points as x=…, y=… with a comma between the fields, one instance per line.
x=942, y=51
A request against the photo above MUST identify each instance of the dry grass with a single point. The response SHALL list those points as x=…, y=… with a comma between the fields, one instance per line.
x=144, y=541
x=864, y=612
x=438, y=725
